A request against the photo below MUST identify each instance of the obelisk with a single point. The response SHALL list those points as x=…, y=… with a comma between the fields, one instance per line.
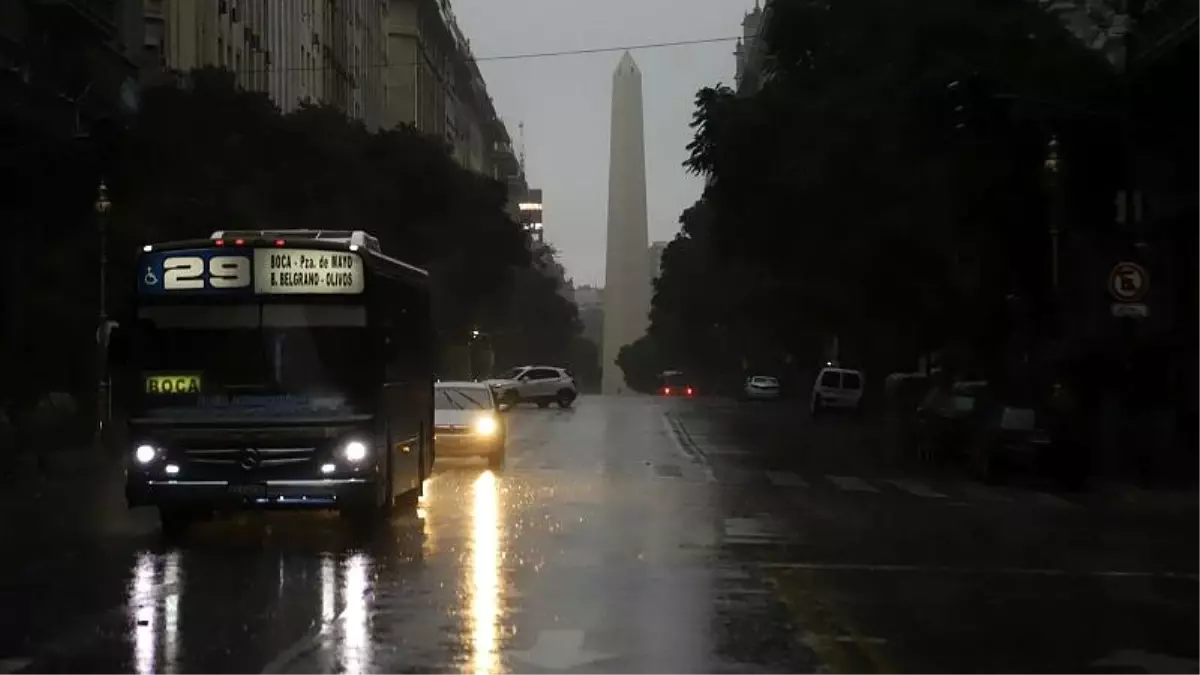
x=626, y=265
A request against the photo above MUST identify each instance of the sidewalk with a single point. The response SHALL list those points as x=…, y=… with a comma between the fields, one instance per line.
x=1183, y=500
x=72, y=492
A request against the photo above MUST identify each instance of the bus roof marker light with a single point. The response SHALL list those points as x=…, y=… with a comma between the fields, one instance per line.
x=353, y=247
x=239, y=242
x=280, y=242
x=147, y=248
x=219, y=242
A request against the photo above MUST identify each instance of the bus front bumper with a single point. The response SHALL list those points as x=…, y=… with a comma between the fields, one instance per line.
x=317, y=493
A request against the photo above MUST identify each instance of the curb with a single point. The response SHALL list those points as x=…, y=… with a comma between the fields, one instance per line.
x=686, y=441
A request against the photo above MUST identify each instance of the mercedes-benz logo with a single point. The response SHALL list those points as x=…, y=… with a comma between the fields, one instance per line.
x=249, y=459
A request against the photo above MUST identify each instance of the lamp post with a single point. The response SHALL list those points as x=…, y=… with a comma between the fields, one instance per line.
x=102, y=208
x=1054, y=189
x=1132, y=10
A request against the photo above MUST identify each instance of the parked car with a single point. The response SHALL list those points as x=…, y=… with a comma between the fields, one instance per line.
x=945, y=419
x=836, y=388
x=1010, y=436
x=761, y=388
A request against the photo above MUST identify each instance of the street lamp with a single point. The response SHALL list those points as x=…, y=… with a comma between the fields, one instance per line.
x=102, y=207
x=479, y=340
x=1053, y=184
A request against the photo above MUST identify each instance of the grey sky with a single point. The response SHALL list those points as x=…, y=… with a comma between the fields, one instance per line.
x=564, y=101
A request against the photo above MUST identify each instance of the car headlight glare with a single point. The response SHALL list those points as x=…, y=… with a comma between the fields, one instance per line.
x=355, y=451
x=486, y=425
x=145, y=454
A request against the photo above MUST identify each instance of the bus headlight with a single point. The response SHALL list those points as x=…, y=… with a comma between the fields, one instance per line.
x=145, y=453
x=354, y=451
x=486, y=425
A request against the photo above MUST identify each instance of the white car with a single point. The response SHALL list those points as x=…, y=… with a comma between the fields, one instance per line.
x=466, y=422
x=542, y=385
x=837, y=388
x=761, y=387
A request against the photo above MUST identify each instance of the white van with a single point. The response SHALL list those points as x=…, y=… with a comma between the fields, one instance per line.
x=837, y=388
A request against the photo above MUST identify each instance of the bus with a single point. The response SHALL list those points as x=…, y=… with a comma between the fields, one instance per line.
x=275, y=369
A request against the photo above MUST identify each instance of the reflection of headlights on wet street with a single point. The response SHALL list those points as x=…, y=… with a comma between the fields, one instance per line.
x=153, y=604
x=485, y=574
x=486, y=425
x=355, y=639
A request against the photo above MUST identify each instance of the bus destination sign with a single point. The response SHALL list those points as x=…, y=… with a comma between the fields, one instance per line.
x=307, y=272
x=263, y=271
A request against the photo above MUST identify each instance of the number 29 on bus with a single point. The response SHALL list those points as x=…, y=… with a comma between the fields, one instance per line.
x=190, y=273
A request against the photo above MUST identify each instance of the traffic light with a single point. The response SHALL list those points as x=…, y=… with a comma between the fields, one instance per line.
x=969, y=103
x=958, y=105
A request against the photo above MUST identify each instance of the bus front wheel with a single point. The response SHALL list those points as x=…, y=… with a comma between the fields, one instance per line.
x=175, y=522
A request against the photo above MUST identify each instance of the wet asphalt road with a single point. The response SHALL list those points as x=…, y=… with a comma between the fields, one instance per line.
x=626, y=535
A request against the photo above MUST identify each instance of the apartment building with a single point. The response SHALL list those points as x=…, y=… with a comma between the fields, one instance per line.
x=324, y=51
x=751, y=50
x=384, y=62
x=433, y=83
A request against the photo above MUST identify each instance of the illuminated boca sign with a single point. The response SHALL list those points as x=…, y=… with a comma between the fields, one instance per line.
x=262, y=271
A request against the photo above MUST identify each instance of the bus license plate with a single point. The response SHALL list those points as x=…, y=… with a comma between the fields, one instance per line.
x=249, y=491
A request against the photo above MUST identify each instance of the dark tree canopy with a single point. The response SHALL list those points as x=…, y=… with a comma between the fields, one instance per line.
x=885, y=185
x=209, y=156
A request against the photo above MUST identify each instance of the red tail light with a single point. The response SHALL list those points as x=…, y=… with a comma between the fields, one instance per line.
x=667, y=391
x=690, y=391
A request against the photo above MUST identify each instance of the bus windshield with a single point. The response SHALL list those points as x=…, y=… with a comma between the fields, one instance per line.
x=253, y=360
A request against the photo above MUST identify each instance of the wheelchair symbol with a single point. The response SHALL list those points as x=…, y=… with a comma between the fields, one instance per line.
x=150, y=279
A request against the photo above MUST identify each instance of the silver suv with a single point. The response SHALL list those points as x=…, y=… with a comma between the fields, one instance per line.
x=542, y=385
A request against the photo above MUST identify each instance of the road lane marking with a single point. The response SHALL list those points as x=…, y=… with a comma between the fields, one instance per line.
x=999, y=571
x=785, y=479
x=750, y=531
x=852, y=483
x=912, y=487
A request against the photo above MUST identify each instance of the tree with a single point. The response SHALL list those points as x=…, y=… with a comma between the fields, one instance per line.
x=641, y=363
x=534, y=323
x=845, y=199
x=241, y=164
x=209, y=156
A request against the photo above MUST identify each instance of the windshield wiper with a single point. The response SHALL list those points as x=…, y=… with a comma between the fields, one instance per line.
x=452, y=402
x=474, y=402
